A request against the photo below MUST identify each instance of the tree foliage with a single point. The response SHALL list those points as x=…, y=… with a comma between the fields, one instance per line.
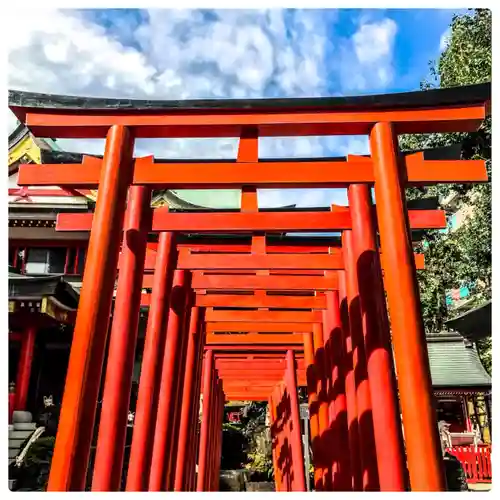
x=462, y=257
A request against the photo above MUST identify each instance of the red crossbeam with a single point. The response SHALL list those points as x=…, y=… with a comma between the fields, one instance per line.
x=66, y=123
x=163, y=220
x=190, y=261
x=255, y=326
x=220, y=348
x=212, y=315
x=257, y=339
x=264, y=355
x=221, y=282
x=251, y=301
x=282, y=174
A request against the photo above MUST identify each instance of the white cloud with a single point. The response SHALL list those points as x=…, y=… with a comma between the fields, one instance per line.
x=367, y=58
x=185, y=54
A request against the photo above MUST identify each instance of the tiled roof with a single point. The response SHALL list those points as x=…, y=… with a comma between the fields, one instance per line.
x=455, y=362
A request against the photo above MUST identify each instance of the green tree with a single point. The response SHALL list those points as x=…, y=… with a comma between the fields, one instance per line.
x=462, y=257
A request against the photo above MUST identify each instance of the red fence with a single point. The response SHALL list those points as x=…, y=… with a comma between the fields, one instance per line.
x=475, y=461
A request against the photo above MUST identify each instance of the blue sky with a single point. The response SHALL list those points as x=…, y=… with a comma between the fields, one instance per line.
x=187, y=54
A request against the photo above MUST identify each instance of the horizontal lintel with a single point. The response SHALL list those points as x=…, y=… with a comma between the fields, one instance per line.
x=83, y=124
x=282, y=174
x=212, y=315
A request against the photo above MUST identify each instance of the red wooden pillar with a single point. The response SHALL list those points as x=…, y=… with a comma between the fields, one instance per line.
x=176, y=408
x=408, y=335
x=211, y=434
x=295, y=434
x=76, y=424
x=341, y=472
x=123, y=340
x=330, y=448
x=350, y=387
x=275, y=441
x=205, y=422
x=363, y=397
x=162, y=445
x=12, y=401
x=311, y=377
x=24, y=367
x=149, y=382
x=380, y=368
x=195, y=427
x=188, y=397
x=217, y=433
x=282, y=441
x=321, y=451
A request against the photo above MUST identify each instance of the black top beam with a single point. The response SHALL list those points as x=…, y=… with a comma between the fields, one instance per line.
x=453, y=96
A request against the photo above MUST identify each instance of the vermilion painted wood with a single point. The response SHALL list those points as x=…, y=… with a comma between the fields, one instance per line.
x=265, y=221
x=290, y=378
x=219, y=300
x=390, y=456
x=341, y=466
x=150, y=379
x=111, y=438
x=312, y=396
x=320, y=466
x=196, y=247
x=236, y=396
x=256, y=356
x=363, y=395
x=24, y=368
x=188, y=397
x=274, y=440
x=76, y=424
x=195, y=424
x=218, y=443
x=230, y=363
x=176, y=408
x=301, y=380
x=254, y=370
x=234, y=222
x=230, y=384
x=207, y=376
x=255, y=326
x=278, y=175
x=220, y=339
x=228, y=123
x=422, y=441
x=263, y=316
x=233, y=375
x=261, y=282
x=350, y=387
x=163, y=440
x=253, y=262
x=248, y=348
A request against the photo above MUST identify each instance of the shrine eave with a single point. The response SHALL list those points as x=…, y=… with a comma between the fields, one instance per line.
x=25, y=287
x=454, y=362
x=474, y=324
x=453, y=96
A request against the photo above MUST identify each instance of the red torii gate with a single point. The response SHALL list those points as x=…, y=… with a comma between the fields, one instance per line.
x=432, y=111
x=273, y=321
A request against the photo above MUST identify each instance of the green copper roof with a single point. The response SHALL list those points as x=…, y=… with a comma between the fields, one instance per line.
x=220, y=199
x=455, y=362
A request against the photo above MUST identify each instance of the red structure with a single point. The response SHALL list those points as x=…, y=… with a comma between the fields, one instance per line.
x=284, y=315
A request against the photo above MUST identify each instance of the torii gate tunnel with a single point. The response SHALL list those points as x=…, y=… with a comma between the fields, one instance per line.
x=255, y=316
